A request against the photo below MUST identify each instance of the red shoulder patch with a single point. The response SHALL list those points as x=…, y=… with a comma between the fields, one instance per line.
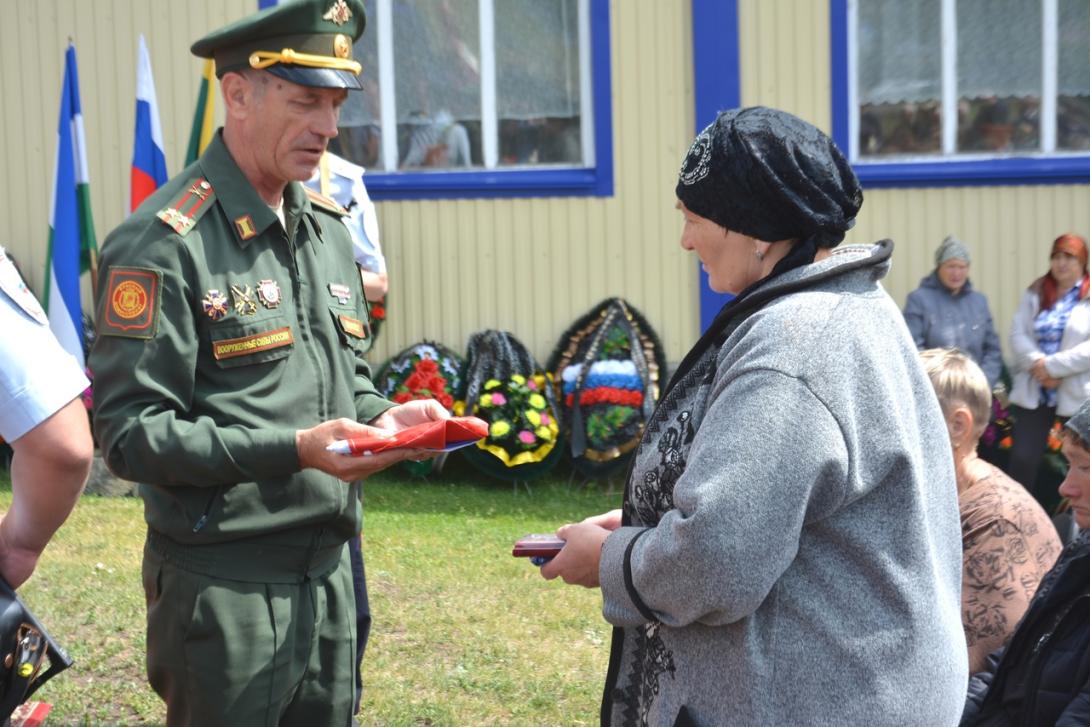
x=131, y=307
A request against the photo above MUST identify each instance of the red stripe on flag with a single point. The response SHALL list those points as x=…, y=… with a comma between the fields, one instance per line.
x=142, y=186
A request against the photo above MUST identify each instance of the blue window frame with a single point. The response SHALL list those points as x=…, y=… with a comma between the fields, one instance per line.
x=551, y=181
x=1033, y=168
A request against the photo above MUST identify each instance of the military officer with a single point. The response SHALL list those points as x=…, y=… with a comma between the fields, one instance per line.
x=342, y=181
x=229, y=356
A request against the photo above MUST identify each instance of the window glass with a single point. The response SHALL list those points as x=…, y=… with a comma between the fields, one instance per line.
x=999, y=75
x=360, y=125
x=900, y=71
x=437, y=72
x=1073, y=93
x=537, y=82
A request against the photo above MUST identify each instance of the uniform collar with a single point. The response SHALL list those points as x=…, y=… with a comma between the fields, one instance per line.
x=246, y=211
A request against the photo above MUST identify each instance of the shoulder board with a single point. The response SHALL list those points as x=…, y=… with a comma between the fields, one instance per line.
x=340, y=165
x=182, y=214
x=329, y=205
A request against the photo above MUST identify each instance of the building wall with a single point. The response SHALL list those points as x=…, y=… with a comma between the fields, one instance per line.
x=784, y=48
x=530, y=266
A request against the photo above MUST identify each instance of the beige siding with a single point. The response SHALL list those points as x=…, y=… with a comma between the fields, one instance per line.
x=33, y=38
x=529, y=266
x=1009, y=231
x=784, y=48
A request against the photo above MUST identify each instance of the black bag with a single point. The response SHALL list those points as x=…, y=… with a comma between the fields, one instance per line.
x=29, y=657
x=608, y=369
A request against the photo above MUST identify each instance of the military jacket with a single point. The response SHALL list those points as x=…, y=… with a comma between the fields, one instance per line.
x=220, y=334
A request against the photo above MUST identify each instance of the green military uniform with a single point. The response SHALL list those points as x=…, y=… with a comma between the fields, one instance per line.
x=221, y=332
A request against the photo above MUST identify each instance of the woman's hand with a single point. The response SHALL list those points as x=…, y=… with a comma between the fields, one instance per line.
x=609, y=520
x=1038, y=371
x=577, y=562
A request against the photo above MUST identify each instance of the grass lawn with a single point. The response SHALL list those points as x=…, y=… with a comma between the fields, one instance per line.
x=463, y=633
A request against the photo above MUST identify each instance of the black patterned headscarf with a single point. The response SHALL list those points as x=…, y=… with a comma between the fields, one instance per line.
x=770, y=175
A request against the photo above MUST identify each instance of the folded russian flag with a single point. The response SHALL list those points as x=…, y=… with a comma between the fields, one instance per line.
x=440, y=435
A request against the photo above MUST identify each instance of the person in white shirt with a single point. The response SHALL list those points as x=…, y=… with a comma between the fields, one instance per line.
x=43, y=419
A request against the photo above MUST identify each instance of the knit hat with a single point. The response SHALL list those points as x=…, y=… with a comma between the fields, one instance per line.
x=1080, y=422
x=770, y=175
x=951, y=249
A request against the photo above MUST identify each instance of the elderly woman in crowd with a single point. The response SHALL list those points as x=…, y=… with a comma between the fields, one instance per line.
x=788, y=551
x=1050, y=339
x=1042, y=676
x=1008, y=541
x=945, y=311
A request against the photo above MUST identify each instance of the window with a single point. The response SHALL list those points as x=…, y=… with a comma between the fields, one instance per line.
x=469, y=98
x=963, y=91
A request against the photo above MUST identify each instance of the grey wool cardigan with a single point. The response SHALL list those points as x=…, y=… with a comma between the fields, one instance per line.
x=791, y=547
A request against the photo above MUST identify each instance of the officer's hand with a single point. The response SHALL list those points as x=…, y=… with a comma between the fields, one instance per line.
x=311, y=445
x=410, y=414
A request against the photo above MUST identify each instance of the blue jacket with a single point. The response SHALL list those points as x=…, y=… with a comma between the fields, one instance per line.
x=1047, y=656
x=937, y=318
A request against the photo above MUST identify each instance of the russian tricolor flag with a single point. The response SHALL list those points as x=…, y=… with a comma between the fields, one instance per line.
x=149, y=164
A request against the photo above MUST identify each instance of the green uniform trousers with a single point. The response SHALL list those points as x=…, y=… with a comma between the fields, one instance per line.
x=232, y=653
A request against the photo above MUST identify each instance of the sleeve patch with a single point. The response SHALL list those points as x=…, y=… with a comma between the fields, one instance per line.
x=132, y=303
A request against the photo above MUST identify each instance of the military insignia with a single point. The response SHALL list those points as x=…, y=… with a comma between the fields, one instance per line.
x=182, y=215
x=352, y=326
x=342, y=46
x=320, y=201
x=12, y=284
x=244, y=300
x=245, y=227
x=268, y=292
x=131, y=303
x=338, y=13
x=232, y=347
x=341, y=292
x=214, y=304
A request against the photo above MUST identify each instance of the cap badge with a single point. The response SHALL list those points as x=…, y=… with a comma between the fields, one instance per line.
x=244, y=300
x=342, y=47
x=268, y=292
x=341, y=292
x=214, y=304
x=339, y=13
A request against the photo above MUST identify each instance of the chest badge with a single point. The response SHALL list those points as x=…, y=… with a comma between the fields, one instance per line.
x=268, y=292
x=214, y=304
x=244, y=300
x=341, y=292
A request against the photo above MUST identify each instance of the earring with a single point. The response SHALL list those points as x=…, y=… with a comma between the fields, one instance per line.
x=760, y=255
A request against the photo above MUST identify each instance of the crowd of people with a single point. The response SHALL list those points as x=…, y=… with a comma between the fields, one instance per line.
x=807, y=534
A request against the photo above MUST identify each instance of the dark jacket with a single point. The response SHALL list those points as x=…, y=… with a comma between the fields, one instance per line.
x=937, y=318
x=1043, y=676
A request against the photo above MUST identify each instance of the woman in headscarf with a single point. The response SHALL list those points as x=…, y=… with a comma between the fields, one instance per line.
x=945, y=311
x=1050, y=339
x=789, y=550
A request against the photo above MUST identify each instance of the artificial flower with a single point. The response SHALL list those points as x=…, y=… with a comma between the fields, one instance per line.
x=499, y=428
x=527, y=437
x=533, y=417
x=486, y=400
x=491, y=384
x=537, y=401
x=498, y=399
